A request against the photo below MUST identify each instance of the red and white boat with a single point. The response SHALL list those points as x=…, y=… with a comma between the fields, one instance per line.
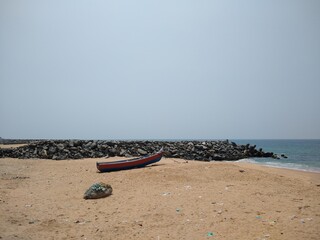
x=130, y=163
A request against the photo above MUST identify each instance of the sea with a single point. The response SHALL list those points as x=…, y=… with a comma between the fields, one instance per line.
x=302, y=155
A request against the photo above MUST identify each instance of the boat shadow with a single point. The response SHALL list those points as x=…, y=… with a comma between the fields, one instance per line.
x=155, y=165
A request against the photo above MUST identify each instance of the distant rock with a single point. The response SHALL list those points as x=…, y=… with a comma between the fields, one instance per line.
x=142, y=152
x=60, y=146
x=43, y=153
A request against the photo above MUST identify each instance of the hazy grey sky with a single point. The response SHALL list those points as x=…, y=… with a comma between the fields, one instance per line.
x=159, y=69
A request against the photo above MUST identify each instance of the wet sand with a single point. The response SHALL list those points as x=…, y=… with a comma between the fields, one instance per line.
x=173, y=199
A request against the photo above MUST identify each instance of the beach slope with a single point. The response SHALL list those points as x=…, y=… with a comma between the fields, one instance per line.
x=174, y=199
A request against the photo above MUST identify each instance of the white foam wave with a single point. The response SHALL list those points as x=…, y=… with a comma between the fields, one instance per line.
x=247, y=160
x=293, y=166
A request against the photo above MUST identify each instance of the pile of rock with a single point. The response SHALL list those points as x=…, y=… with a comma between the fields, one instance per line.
x=77, y=149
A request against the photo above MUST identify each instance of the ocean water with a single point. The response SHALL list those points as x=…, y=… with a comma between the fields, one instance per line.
x=302, y=154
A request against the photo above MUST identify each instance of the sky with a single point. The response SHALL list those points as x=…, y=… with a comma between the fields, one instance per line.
x=160, y=69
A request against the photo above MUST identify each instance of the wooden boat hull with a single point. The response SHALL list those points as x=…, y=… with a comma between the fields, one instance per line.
x=130, y=163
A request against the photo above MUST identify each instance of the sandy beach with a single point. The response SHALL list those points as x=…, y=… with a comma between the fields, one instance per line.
x=173, y=199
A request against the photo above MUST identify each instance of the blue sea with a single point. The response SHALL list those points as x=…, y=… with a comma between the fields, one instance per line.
x=302, y=154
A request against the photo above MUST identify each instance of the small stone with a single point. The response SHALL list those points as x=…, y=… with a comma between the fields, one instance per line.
x=43, y=153
x=166, y=194
x=77, y=156
x=60, y=146
x=52, y=150
x=122, y=152
x=33, y=221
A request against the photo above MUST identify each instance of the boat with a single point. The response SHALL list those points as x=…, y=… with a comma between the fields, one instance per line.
x=129, y=163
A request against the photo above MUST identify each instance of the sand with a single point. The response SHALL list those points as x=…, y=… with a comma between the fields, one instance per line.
x=12, y=145
x=174, y=199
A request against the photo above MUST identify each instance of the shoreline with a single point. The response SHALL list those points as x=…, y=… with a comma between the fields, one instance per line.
x=280, y=170
x=173, y=199
x=253, y=162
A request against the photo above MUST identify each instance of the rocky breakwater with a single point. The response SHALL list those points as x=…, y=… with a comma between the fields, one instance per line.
x=190, y=150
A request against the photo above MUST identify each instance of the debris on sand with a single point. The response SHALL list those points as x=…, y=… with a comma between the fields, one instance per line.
x=98, y=190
